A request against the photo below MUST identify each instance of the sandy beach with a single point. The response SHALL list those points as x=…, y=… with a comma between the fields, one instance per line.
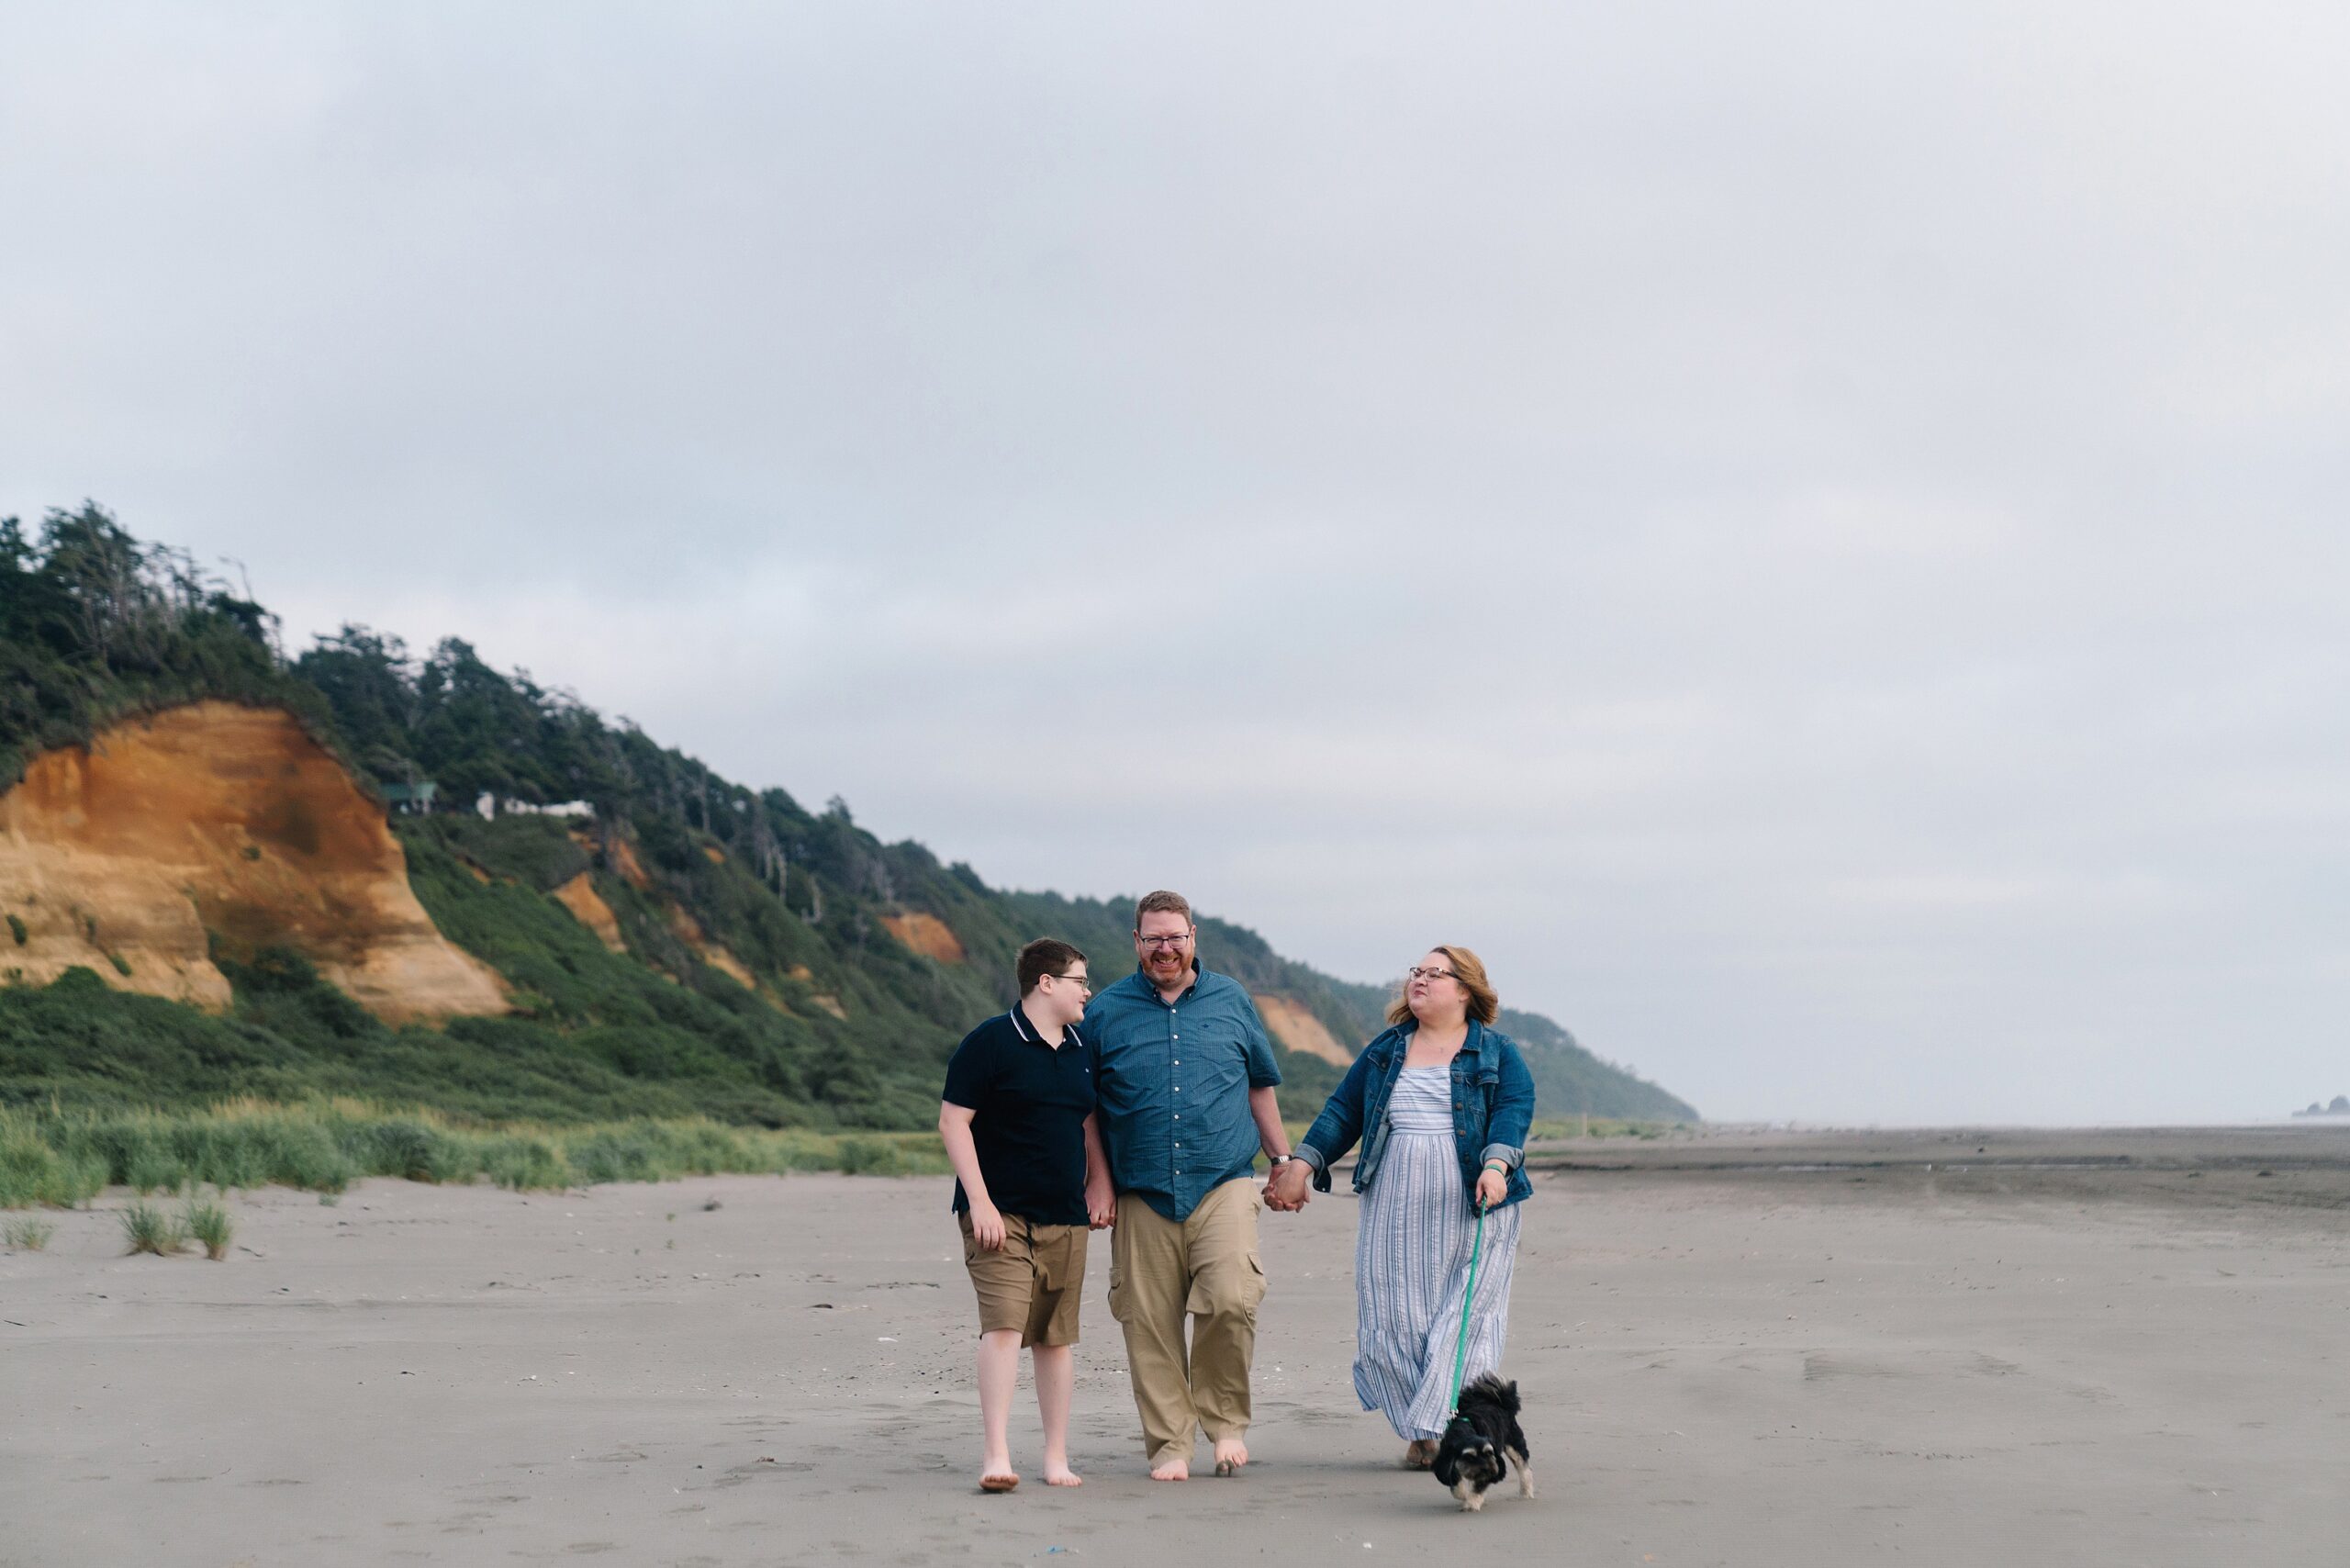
x=1943, y=1348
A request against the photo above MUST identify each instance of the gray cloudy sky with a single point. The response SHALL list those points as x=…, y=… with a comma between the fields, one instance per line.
x=1811, y=535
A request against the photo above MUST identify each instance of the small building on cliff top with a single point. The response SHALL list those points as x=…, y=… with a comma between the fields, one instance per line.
x=414, y=800
x=490, y=807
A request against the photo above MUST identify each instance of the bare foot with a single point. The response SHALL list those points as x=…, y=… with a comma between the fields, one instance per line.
x=1171, y=1469
x=1231, y=1453
x=1420, y=1455
x=1062, y=1475
x=999, y=1481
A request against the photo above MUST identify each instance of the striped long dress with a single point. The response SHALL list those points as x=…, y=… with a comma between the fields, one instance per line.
x=1412, y=1265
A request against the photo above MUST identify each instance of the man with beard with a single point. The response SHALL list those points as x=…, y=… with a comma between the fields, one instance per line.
x=1186, y=1085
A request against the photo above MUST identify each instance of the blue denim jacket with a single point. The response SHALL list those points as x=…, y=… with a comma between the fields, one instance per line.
x=1493, y=1106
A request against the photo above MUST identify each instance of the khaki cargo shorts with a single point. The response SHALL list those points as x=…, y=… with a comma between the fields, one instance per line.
x=1032, y=1283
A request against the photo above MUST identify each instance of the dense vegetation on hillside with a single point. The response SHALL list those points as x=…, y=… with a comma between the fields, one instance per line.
x=759, y=984
x=95, y=625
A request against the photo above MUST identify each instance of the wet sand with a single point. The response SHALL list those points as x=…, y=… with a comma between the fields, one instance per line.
x=1738, y=1350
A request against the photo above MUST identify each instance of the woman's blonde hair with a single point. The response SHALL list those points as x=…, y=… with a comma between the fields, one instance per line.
x=1484, y=1006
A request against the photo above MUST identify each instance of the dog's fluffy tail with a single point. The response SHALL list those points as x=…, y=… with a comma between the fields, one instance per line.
x=1489, y=1389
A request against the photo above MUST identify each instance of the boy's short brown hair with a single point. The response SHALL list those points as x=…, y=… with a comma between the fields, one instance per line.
x=1162, y=902
x=1045, y=956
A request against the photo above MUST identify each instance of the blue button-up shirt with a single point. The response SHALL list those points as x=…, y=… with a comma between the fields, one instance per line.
x=1174, y=1081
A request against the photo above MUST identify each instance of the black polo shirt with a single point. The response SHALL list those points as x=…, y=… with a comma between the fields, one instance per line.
x=1031, y=1101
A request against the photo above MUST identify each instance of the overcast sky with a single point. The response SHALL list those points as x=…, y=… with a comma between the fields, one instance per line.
x=1812, y=536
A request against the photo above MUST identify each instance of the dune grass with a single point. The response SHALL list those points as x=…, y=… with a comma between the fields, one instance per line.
x=211, y=1227
x=149, y=1229
x=62, y=1157
x=27, y=1235
x=33, y=1171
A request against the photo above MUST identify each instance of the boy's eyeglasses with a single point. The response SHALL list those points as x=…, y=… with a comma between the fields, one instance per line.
x=1080, y=981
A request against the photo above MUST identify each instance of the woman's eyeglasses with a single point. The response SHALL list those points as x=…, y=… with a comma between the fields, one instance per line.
x=1418, y=973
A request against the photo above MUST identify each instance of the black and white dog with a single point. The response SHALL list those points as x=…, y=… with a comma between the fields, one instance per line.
x=1480, y=1444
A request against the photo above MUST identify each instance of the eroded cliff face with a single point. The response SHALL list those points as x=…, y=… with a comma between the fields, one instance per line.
x=213, y=817
x=1293, y=1026
x=927, y=934
x=588, y=907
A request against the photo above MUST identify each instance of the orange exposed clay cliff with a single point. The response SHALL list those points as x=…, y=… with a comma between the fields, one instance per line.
x=1293, y=1026
x=588, y=906
x=831, y=1004
x=690, y=932
x=213, y=818
x=625, y=862
x=927, y=934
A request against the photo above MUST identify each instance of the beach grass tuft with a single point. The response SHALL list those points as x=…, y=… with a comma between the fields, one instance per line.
x=211, y=1226
x=151, y=1230
x=27, y=1235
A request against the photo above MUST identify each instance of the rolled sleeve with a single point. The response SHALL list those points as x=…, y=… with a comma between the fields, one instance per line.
x=1262, y=1071
x=1510, y=1158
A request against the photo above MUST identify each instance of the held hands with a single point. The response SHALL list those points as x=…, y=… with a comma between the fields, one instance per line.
x=1286, y=1189
x=987, y=1225
x=1492, y=1186
x=1100, y=1204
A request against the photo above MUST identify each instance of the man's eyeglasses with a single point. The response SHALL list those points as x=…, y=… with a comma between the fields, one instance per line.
x=1416, y=973
x=1175, y=941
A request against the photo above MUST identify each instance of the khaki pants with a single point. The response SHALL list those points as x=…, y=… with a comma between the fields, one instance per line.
x=1207, y=1267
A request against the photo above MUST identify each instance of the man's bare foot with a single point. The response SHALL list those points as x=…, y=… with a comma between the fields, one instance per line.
x=1061, y=1475
x=1420, y=1455
x=1231, y=1453
x=1171, y=1469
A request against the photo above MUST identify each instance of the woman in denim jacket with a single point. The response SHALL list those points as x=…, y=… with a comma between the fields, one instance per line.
x=1441, y=1101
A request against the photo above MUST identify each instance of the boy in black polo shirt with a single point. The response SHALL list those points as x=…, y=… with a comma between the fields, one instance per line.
x=1017, y=1120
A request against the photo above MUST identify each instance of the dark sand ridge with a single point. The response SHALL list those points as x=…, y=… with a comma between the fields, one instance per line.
x=1754, y=1366
x=2286, y=1165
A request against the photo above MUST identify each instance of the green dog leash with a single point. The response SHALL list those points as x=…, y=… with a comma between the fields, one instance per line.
x=1460, y=1354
